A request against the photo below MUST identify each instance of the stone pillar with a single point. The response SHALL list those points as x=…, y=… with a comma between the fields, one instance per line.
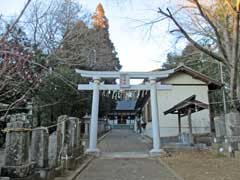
x=79, y=137
x=17, y=162
x=61, y=133
x=86, y=133
x=71, y=141
x=79, y=132
x=233, y=126
x=69, y=146
x=155, y=121
x=39, y=147
x=94, y=119
x=220, y=128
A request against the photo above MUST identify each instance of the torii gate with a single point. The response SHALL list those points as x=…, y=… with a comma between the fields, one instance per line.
x=124, y=77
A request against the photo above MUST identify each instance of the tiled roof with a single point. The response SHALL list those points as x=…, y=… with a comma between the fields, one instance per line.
x=128, y=105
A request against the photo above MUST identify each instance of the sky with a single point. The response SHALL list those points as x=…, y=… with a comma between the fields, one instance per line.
x=139, y=47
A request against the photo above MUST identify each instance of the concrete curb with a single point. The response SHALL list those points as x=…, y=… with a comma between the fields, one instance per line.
x=103, y=136
x=147, y=137
x=170, y=169
x=80, y=169
x=83, y=166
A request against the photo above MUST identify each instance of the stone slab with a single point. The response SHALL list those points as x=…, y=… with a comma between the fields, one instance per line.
x=18, y=171
x=30, y=177
x=4, y=178
x=39, y=147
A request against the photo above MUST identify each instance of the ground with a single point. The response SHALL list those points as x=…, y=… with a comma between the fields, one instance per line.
x=125, y=157
x=126, y=169
x=204, y=165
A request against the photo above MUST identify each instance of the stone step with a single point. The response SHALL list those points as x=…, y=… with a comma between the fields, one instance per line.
x=122, y=126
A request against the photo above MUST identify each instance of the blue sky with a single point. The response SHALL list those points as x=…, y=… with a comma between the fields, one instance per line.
x=138, y=49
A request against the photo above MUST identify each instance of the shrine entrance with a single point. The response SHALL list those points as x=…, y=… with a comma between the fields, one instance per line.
x=151, y=84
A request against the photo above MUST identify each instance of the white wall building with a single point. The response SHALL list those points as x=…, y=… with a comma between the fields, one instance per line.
x=185, y=83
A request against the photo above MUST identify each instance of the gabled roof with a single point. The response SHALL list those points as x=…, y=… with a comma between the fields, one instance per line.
x=212, y=84
x=184, y=105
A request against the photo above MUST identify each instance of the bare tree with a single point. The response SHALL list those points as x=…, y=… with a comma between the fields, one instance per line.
x=17, y=79
x=217, y=23
x=12, y=26
x=47, y=22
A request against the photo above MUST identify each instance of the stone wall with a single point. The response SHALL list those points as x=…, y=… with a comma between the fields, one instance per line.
x=17, y=160
x=42, y=156
x=102, y=127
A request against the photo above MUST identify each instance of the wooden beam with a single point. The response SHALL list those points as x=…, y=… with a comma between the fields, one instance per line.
x=179, y=125
x=190, y=125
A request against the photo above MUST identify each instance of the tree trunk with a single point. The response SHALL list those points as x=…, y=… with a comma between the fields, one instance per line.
x=233, y=87
x=234, y=63
x=238, y=83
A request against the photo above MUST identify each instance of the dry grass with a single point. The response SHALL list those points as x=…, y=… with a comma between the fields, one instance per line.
x=204, y=165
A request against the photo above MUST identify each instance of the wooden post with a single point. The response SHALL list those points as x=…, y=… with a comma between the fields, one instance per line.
x=179, y=126
x=190, y=125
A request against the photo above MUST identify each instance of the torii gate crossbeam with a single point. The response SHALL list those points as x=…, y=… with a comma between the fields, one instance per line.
x=96, y=86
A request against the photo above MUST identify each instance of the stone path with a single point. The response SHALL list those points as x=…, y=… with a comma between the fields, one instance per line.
x=125, y=157
x=124, y=141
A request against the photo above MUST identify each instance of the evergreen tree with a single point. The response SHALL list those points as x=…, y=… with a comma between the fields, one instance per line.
x=195, y=59
x=105, y=56
x=99, y=18
x=84, y=48
x=75, y=48
x=199, y=61
x=56, y=97
x=89, y=48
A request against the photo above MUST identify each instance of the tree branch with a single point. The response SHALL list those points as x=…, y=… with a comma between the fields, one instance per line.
x=218, y=36
x=187, y=36
x=232, y=9
x=15, y=22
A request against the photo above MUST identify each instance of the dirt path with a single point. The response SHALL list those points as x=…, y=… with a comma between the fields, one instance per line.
x=204, y=166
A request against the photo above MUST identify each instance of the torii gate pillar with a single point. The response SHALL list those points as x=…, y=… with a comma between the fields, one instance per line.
x=155, y=122
x=94, y=119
